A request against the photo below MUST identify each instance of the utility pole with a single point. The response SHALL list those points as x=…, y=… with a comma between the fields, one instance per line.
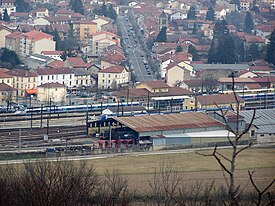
x=19, y=140
x=48, y=118
x=31, y=117
x=148, y=100
x=100, y=107
x=41, y=116
x=50, y=105
x=87, y=119
x=118, y=108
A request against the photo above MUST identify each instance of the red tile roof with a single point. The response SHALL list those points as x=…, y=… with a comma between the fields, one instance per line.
x=51, y=85
x=85, y=21
x=21, y=73
x=37, y=35
x=113, y=69
x=253, y=39
x=50, y=71
x=5, y=87
x=156, y=84
x=77, y=62
x=56, y=64
x=15, y=35
x=260, y=68
x=253, y=86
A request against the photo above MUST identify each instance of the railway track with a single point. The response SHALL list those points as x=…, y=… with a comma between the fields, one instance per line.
x=36, y=135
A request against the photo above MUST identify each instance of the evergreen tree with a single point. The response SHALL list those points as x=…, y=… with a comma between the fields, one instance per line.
x=57, y=39
x=22, y=6
x=270, y=49
x=10, y=57
x=162, y=37
x=210, y=15
x=252, y=52
x=77, y=6
x=191, y=13
x=213, y=3
x=6, y=16
x=111, y=13
x=195, y=29
x=179, y=49
x=0, y=16
x=249, y=23
x=222, y=47
x=192, y=50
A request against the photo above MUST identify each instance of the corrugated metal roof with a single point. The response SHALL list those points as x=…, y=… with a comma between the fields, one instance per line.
x=161, y=122
x=264, y=119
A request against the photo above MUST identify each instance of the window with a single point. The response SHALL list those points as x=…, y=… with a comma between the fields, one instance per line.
x=252, y=133
x=63, y=76
x=109, y=75
x=52, y=77
x=48, y=77
x=262, y=135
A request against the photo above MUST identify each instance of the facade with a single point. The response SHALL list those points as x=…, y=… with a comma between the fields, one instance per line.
x=62, y=76
x=6, y=78
x=23, y=80
x=54, y=91
x=35, y=42
x=163, y=21
x=12, y=42
x=4, y=31
x=176, y=74
x=53, y=54
x=7, y=93
x=102, y=40
x=111, y=77
x=84, y=29
x=212, y=101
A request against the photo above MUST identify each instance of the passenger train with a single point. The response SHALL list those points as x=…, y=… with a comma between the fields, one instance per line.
x=76, y=108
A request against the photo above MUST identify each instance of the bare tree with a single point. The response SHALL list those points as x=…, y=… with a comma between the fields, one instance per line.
x=165, y=185
x=229, y=169
x=112, y=190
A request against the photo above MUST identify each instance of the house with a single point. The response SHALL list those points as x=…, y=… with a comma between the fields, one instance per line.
x=265, y=29
x=53, y=54
x=34, y=42
x=192, y=85
x=163, y=21
x=12, y=41
x=176, y=73
x=6, y=78
x=63, y=76
x=112, y=59
x=82, y=77
x=9, y=5
x=102, y=23
x=247, y=74
x=76, y=63
x=250, y=40
x=263, y=129
x=212, y=101
x=4, y=31
x=84, y=29
x=55, y=91
x=42, y=12
x=7, y=93
x=23, y=80
x=111, y=77
x=101, y=40
x=245, y=5
x=178, y=15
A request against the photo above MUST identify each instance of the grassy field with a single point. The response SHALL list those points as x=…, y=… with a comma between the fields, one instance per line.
x=140, y=169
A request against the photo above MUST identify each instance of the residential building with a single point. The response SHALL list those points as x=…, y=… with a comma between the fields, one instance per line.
x=213, y=102
x=101, y=40
x=163, y=21
x=55, y=91
x=35, y=61
x=6, y=78
x=84, y=29
x=23, y=80
x=177, y=73
x=52, y=75
x=4, y=31
x=53, y=54
x=83, y=77
x=111, y=77
x=12, y=41
x=7, y=93
x=35, y=42
x=42, y=12
x=101, y=23
x=178, y=15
